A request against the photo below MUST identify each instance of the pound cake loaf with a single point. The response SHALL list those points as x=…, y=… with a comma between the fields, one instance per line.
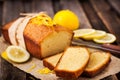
x=38, y=34
x=97, y=63
x=72, y=63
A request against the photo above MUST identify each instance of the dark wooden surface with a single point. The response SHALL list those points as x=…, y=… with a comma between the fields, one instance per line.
x=98, y=14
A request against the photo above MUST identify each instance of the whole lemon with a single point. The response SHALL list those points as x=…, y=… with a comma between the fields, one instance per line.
x=66, y=18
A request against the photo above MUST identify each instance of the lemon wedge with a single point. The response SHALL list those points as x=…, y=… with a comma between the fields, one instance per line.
x=83, y=32
x=98, y=34
x=109, y=38
x=17, y=54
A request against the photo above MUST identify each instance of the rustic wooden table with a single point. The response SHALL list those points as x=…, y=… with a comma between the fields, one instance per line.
x=98, y=14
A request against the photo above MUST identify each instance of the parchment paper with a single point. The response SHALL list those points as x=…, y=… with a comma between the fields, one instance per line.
x=112, y=68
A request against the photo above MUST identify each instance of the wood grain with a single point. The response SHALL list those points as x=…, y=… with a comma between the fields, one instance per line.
x=115, y=5
x=27, y=5
x=93, y=17
x=108, y=17
x=11, y=73
x=11, y=10
x=1, y=11
x=43, y=5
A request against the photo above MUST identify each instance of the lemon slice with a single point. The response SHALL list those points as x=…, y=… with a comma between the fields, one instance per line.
x=17, y=54
x=83, y=32
x=109, y=38
x=97, y=34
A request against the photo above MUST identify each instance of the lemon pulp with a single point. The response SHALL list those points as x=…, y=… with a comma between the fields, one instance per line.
x=109, y=38
x=97, y=34
x=83, y=32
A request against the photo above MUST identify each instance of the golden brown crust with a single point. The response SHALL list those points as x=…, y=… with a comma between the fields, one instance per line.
x=5, y=31
x=34, y=35
x=50, y=65
x=47, y=64
x=37, y=35
x=92, y=73
x=32, y=47
x=37, y=32
x=70, y=74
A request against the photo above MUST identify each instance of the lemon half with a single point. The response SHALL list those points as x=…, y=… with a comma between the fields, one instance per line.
x=109, y=38
x=83, y=32
x=17, y=54
x=98, y=34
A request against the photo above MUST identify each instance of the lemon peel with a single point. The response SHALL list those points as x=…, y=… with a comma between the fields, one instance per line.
x=43, y=19
x=44, y=71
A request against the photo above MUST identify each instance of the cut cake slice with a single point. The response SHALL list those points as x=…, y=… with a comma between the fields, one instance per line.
x=98, y=61
x=72, y=63
x=52, y=61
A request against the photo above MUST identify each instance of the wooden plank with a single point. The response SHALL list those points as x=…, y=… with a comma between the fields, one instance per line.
x=43, y=5
x=56, y=5
x=11, y=10
x=11, y=73
x=76, y=7
x=109, y=18
x=110, y=78
x=1, y=9
x=27, y=5
x=115, y=5
x=93, y=17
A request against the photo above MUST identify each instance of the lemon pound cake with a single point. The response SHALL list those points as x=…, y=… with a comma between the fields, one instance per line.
x=51, y=61
x=98, y=61
x=38, y=34
x=72, y=63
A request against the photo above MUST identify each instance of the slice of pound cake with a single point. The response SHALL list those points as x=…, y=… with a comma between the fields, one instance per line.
x=98, y=61
x=52, y=61
x=72, y=63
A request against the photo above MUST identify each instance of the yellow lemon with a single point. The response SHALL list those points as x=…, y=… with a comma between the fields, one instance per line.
x=109, y=38
x=17, y=54
x=97, y=34
x=66, y=18
x=83, y=32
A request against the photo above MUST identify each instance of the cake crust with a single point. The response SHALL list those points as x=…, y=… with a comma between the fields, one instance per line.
x=89, y=72
x=36, y=35
x=68, y=73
